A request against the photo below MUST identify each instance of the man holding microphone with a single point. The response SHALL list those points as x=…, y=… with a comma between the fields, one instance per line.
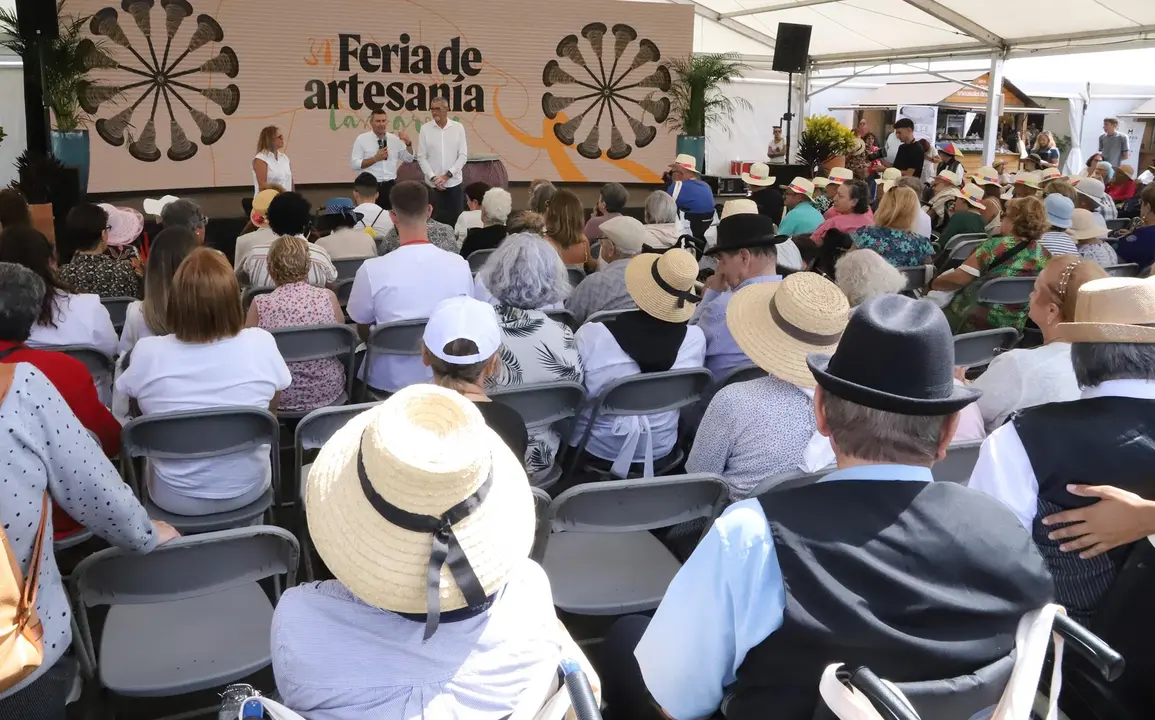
x=379, y=153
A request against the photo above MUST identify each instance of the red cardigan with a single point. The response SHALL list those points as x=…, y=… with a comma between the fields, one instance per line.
x=74, y=383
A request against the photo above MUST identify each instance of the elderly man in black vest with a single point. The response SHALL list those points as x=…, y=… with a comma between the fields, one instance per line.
x=875, y=564
x=1106, y=437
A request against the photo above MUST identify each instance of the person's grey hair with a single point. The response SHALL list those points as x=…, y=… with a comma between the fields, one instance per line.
x=526, y=272
x=183, y=213
x=882, y=437
x=615, y=196
x=863, y=274
x=661, y=208
x=496, y=206
x=20, y=301
x=1096, y=363
x=542, y=194
x=439, y=99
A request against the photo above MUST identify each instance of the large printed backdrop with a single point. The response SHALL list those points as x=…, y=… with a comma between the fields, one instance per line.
x=566, y=91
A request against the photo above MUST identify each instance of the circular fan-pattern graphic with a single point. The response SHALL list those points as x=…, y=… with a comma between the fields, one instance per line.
x=607, y=95
x=159, y=79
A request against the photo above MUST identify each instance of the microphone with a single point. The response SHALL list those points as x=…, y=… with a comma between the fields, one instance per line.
x=382, y=141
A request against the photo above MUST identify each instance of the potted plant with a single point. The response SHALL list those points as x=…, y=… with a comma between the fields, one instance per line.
x=824, y=142
x=698, y=99
x=39, y=178
x=65, y=69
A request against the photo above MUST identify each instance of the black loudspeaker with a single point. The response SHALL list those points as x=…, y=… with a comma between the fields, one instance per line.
x=791, y=48
x=38, y=17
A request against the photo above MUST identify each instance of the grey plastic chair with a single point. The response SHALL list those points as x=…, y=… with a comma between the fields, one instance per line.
x=607, y=315
x=1126, y=270
x=1007, y=290
x=741, y=374
x=102, y=367
x=541, y=501
x=975, y=349
x=576, y=275
x=403, y=337
x=959, y=252
x=477, y=259
x=541, y=405
x=917, y=277
x=960, y=460
x=564, y=317
x=342, y=288
x=1118, y=224
x=117, y=308
x=252, y=293
x=963, y=238
x=596, y=249
x=647, y=394
x=597, y=549
x=188, y=616
x=788, y=480
x=199, y=434
x=318, y=342
x=347, y=268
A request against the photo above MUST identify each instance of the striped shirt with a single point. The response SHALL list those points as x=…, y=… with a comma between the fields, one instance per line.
x=254, y=271
x=1058, y=243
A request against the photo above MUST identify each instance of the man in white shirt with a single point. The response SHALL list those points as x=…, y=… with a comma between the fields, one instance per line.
x=1105, y=437
x=379, y=153
x=373, y=215
x=442, y=154
x=406, y=284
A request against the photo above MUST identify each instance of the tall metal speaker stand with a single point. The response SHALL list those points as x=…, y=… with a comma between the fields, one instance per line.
x=788, y=118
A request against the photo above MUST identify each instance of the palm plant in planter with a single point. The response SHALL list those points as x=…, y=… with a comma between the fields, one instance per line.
x=65, y=70
x=698, y=98
x=823, y=138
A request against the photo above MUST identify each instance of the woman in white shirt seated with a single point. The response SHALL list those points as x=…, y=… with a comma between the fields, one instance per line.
x=66, y=318
x=271, y=170
x=380, y=641
x=210, y=360
x=1023, y=378
x=655, y=338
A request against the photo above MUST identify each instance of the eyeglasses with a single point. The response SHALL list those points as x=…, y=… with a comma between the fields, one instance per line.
x=108, y=227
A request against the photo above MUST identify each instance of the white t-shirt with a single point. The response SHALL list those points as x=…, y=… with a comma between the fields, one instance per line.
x=406, y=284
x=80, y=320
x=465, y=221
x=135, y=328
x=374, y=216
x=167, y=375
x=922, y=224
x=279, y=172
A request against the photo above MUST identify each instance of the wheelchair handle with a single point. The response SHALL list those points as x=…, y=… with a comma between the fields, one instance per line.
x=880, y=695
x=1106, y=660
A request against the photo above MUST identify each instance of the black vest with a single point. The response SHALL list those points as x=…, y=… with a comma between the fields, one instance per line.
x=918, y=581
x=1097, y=441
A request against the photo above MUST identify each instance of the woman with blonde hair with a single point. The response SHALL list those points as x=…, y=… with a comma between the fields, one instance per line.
x=1046, y=150
x=892, y=235
x=1023, y=378
x=564, y=222
x=863, y=274
x=295, y=303
x=145, y=318
x=208, y=360
x=271, y=170
x=1014, y=252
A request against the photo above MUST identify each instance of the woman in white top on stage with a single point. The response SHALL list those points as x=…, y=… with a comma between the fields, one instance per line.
x=271, y=164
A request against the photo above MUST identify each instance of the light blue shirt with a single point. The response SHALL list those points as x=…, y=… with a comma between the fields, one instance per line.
x=726, y=599
x=802, y=219
x=722, y=352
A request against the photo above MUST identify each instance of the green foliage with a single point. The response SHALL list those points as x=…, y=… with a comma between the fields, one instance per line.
x=698, y=96
x=65, y=67
x=39, y=176
x=822, y=138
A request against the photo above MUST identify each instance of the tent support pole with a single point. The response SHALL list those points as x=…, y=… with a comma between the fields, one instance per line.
x=994, y=108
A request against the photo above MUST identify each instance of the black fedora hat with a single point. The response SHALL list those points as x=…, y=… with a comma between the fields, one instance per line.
x=896, y=355
x=745, y=230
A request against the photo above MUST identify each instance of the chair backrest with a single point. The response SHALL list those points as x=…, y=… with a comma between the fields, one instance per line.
x=317, y=427
x=742, y=374
x=650, y=393
x=252, y=293
x=1118, y=224
x=543, y=403
x=319, y=342
x=639, y=504
x=117, y=308
x=1125, y=270
x=102, y=367
x=960, y=460
x=576, y=275
x=791, y=479
x=964, y=237
x=565, y=317
x=396, y=338
x=962, y=250
x=347, y=268
x=1007, y=290
x=343, y=288
x=477, y=259
x=605, y=315
x=978, y=348
x=916, y=277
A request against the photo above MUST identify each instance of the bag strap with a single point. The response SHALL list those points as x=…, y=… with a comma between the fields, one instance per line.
x=1035, y=633
x=1008, y=255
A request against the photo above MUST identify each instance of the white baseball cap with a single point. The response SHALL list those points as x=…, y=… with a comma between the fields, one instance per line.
x=463, y=318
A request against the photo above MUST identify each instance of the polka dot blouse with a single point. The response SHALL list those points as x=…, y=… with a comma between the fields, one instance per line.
x=43, y=446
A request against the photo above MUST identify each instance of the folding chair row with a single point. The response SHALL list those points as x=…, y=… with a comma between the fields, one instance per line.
x=102, y=367
x=117, y=308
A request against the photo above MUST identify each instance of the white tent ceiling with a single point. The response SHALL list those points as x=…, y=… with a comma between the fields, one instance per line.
x=852, y=32
x=1146, y=110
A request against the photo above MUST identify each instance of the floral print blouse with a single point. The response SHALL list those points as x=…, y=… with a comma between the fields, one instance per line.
x=900, y=248
x=967, y=315
x=316, y=383
x=102, y=275
x=536, y=349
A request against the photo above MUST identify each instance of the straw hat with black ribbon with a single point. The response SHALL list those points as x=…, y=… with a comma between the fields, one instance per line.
x=418, y=507
x=1113, y=310
x=662, y=286
x=778, y=323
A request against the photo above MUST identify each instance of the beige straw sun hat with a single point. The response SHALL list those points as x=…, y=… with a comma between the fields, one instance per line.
x=778, y=323
x=1113, y=310
x=423, y=458
x=663, y=285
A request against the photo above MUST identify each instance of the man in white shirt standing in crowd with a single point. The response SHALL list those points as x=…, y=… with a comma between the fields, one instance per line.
x=442, y=154
x=406, y=284
x=379, y=153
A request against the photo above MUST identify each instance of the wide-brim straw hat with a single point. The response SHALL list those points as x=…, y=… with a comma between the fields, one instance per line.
x=759, y=175
x=124, y=225
x=1030, y=179
x=840, y=175
x=1126, y=171
x=260, y=213
x=821, y=182
x=778, y=323
x=739, y=206
x=662, y=285
x=1086, y=225
x=685, y=162
x=1046, y=175
x=802, y=186
x=1113, y=310
x=985, y=176
x=891, y=173
x=972, y=194
x=425, y=450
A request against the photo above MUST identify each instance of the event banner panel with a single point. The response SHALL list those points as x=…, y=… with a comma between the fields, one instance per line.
x=567, y=91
